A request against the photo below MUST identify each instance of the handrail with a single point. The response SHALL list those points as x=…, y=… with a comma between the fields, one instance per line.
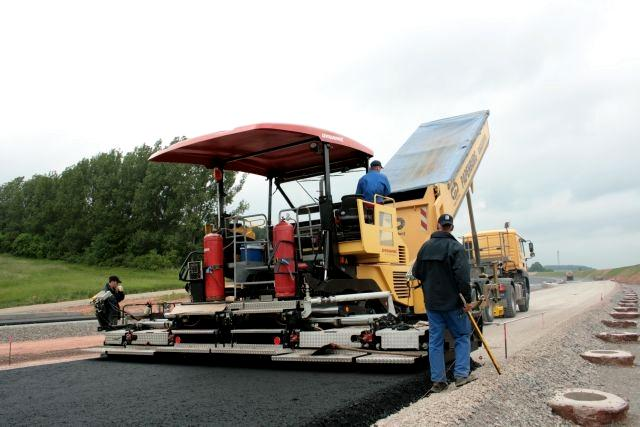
x=310, y=209
x=384, y=198
x=244, y=219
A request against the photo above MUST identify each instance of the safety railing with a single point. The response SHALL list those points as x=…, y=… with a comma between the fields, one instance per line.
x=239, y=225
x=385, y=200
x=309, y=230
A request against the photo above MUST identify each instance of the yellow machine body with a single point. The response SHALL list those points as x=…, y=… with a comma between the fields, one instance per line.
x=392, y=233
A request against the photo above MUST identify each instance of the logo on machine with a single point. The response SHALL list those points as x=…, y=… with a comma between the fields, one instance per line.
x=467, y=172
x=401, y=223
x=332, y=137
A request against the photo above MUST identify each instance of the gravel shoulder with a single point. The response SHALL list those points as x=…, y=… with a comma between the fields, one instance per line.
x=45, y=343
x=531, y=377
x=83, y=306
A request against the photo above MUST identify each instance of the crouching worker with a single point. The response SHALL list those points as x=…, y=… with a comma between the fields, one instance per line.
x=443, y=270
x=106, y=303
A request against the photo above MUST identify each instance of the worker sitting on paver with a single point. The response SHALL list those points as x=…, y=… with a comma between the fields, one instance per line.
x=106, y=302
x=443, y=270
x=374, y=182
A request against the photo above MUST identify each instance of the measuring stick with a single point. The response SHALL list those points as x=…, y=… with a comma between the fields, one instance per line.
x=477, y=329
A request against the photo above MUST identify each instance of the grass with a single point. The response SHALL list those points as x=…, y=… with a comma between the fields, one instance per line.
x=624, y=271
x=29, y=281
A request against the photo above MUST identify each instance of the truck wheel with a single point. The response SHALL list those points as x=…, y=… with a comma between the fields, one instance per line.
x=509, y=302
x=525, y=305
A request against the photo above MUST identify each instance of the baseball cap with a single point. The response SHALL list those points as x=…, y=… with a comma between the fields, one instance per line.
x=445, y=219
x=376, y=163
x=114, y=279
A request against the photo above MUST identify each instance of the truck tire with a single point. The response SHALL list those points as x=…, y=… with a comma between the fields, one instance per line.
x=524, y=306
x=509, y=301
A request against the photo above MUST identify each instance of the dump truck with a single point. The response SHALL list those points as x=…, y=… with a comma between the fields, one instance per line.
x=327, y=274
x=500, y=256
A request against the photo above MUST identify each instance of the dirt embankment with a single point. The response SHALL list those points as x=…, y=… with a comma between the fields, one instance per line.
x=629, y=275
x=629, y=280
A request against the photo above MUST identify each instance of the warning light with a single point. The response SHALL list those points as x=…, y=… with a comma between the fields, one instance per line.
x=276, y=340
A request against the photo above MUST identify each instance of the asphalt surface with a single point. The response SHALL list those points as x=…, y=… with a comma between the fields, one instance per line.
x=168, y=392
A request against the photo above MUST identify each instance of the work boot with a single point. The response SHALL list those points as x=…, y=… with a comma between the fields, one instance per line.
x=437, y=387
x=466, y=380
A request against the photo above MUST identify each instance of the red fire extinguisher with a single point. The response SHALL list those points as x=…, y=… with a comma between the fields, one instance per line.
x=284, y=257
x=213, y=261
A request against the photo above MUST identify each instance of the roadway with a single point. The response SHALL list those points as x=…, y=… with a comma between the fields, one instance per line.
x=100, y=392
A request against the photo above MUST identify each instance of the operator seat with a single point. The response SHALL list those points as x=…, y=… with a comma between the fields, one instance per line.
x=348, y=217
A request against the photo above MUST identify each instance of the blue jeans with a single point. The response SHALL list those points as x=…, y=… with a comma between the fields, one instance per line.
x=458, y=324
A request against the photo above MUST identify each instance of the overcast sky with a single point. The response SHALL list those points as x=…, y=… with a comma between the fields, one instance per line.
x=562, y=81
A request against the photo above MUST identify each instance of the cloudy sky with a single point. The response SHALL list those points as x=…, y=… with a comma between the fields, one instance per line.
x=562, y=81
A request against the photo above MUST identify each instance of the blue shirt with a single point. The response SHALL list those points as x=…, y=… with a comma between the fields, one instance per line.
x=372, y=183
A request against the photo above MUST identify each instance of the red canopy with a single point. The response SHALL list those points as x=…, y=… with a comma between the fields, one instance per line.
x=270, y=149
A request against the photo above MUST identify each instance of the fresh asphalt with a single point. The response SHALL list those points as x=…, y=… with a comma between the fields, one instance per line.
x=198, y=392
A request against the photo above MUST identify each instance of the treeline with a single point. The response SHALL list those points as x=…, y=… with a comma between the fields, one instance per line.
x=536, y=267
x=113, y=209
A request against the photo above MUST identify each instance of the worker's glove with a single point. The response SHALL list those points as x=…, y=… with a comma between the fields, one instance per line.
x=415, y=284
x=120, y=288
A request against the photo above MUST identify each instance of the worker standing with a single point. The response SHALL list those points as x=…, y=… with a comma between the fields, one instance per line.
x=443, y=270
x=114, y=285
x=374, y=182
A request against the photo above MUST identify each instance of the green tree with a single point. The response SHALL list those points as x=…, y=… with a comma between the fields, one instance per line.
x=113, y=209
x=536, y=267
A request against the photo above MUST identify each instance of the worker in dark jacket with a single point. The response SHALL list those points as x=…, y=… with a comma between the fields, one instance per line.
x=114, y=285
x=443, y=270
x=374, y=182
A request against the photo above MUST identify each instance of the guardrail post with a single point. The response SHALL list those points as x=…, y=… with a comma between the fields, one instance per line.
x=504, y=328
